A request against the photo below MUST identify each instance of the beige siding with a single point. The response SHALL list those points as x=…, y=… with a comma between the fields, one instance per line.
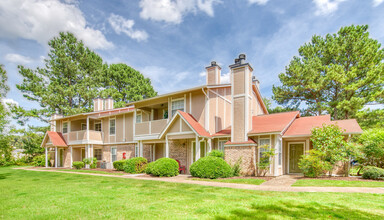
x=198, y=103
x=129, y=127
x=238, y=78
x=119, y=128
x=175, y=127
x=238, y=122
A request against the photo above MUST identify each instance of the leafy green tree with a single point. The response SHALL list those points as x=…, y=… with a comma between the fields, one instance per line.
x=372, y=142
x=368, y=118
x=264, y=162
x=336, y=74
x=4, y=113
x=125, y=84
x=30, y=140
x=278, y=109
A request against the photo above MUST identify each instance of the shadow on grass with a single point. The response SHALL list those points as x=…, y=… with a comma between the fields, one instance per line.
x=4, y=175
x=299, y=211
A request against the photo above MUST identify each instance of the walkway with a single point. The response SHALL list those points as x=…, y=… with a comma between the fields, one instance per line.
x=263, y=187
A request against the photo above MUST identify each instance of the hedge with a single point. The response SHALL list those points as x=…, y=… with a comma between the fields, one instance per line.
x=135, y=165
x=373, y=173
x=119, y=164
x=78, y=164
x=211, y=167
x=216, y=153
x=164, y=167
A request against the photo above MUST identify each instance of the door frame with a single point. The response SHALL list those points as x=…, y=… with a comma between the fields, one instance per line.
x=289, y=152
x=61, y=157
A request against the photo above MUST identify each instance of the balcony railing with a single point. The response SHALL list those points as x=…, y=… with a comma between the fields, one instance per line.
x=81, y=136
x=150, y=127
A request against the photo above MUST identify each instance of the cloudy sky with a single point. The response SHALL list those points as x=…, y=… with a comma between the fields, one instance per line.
x=171, y=41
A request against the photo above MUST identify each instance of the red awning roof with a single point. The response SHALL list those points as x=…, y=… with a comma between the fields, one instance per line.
x=194, y=124
x=57, y=139
x=303, y=126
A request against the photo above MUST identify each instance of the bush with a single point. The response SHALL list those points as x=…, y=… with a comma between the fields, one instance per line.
x=373, y=173
x=372, y=142
x=94, y=163
x=148, y=169
x=39, y=161
x=78, y=164
x=236, y=168
x=210, y=167
x=135, y=165
x=119, y=165
x=164, y=167
x=265, y=160
x=312, y=165
x=216, y=153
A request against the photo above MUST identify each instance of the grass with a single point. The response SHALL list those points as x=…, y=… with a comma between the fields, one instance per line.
x=91, y=171
x=338, y=183
x=241, y=181
x=46, y=195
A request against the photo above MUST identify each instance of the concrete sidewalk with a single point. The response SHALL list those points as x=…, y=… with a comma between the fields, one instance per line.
x=262, y=187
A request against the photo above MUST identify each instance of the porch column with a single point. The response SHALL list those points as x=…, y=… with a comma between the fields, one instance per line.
x=197, y=145
x=55, y=157
x=209, y=142
x=71, y=161
x=166, y=146
x=87, y=154
x=141, y=148
x=46, y=157
x=87, y=129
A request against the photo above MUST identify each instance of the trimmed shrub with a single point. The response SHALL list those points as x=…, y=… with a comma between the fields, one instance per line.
x=135, y=165
x=164, y=167
x=39, y=161
x=119, y=165
x=216, y=153
x=78, y=164
x=236, y=168
x=148, y=169
x=373, y=173
x=211, y=167
x=312, y=165
x=94, y=163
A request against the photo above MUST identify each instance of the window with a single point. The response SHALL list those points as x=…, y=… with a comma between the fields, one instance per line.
x=221, y=145
x=65, y=127
x=262, y=142
x=280, y=153
x=177, y=105
x=98, y=153
x=138, y=118
x=136, y=150
x=83, y=126
x=113, y=154
x=98, y=127
x=112, y=126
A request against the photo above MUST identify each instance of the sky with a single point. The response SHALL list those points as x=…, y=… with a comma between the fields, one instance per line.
x=172, y=41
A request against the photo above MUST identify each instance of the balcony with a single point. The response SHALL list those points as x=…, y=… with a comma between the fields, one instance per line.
x=80, y=137
x=150, y=127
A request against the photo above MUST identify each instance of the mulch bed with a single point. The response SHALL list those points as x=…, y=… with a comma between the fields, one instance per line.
x=97, y=169
x=339, y=178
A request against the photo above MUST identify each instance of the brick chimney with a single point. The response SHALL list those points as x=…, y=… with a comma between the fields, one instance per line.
x=98, y=104
x=241, y=83
x=213, y=73
x=108, y=103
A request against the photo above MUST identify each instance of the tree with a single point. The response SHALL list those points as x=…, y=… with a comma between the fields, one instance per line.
x=336, y=74
x=368, y=118
x=125, y=84
x=372, y=142
x=4, y=113
x=278, y=109
x=30, y=140
x=72, y=77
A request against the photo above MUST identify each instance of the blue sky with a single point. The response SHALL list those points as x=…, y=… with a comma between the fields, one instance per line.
x=172, y=41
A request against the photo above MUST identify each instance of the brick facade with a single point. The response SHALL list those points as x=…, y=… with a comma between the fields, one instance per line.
x=247, y=155
x=178, y=151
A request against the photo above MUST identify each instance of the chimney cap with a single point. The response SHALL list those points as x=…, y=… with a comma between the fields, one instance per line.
x=242, y=56
x=213, y=63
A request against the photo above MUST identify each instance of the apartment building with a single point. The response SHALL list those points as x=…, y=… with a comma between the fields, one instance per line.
x=186, y=125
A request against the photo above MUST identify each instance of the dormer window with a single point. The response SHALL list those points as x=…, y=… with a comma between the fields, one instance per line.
x=177, y=105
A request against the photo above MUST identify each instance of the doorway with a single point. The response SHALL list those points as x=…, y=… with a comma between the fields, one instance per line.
x=296, y=150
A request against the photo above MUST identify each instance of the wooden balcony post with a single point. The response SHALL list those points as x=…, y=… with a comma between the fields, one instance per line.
x=87, y=129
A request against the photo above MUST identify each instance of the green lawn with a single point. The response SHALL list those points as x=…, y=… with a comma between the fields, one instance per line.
x=242, y=181
x=338, y=183
x=91, y=171
x=54, y=195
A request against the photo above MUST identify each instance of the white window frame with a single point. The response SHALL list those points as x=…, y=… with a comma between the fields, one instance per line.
x=176, y=100
x=218, y=145
x=137, y=149
x=280, y=154
x=81, y=127
x=98, y=123
x=112, y=155
x=109, y=126
x=262, y=145
x=66, y=128
x=139, y=114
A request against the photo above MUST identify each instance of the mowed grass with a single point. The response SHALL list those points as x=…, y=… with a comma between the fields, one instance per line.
x=91, y=171
x=54, y=195
x=338, y=183
x=241, y=181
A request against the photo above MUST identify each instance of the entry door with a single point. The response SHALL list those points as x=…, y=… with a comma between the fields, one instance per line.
x=61, y=157
x=295, y=152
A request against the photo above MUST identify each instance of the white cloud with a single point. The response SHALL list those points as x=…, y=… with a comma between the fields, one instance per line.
x=41, y=20
x=17, y=58
x=259, y=2
x=10, y=102
x=122, y=25
x=225, y=78
x=172, y=11
x=203, y=74
x=325, y=7
x=377, y=2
